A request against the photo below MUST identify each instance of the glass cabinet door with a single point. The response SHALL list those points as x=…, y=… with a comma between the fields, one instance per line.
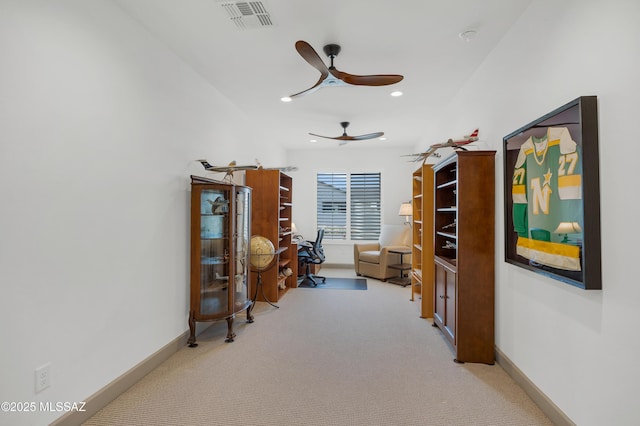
x=242, y=239
x=215, y=249
x=220, y=243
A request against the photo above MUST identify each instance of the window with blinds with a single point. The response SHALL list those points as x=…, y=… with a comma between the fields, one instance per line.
x=365, y=206
x=349, y=205
x=332, y=205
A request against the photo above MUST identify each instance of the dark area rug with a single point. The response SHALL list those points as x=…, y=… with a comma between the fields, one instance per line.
x=338, y=284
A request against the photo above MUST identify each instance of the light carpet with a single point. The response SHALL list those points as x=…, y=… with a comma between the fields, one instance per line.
x=325, y=358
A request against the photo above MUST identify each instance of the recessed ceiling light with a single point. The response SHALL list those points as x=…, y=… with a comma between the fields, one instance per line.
x=396, y=93
x=286, y=99
x=313, y=141
x=468, y=35
x=383, y=138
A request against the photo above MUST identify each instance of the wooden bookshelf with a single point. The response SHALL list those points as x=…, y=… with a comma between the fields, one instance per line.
x=271, y=218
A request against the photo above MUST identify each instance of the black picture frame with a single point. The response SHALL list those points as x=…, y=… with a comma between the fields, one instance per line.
x=552, y=182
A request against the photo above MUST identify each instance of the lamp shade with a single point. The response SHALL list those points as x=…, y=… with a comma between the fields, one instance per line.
x=568, y=228
x=405, y=210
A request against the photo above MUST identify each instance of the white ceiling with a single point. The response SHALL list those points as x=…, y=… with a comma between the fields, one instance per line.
x=254, y=68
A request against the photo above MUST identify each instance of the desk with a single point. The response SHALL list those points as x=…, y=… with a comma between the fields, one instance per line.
x=403, y=279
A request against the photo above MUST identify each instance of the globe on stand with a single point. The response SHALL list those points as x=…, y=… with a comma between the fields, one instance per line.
x=262, y=252
x=262, y=255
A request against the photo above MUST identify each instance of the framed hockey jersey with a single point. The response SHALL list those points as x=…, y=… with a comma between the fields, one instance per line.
x=552, y=196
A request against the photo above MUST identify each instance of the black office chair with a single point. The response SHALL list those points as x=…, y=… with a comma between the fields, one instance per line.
x=312, y=253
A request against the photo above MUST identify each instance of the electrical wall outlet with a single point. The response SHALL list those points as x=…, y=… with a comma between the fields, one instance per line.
x=43, y=377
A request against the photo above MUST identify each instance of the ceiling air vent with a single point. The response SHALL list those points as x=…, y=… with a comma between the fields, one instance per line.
x=248, y=14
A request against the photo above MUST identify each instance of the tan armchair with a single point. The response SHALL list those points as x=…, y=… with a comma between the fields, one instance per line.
x=372, y=259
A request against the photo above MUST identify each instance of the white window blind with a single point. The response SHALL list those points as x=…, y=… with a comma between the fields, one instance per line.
x=349, y=199
x=365, y=206
x=332, y=205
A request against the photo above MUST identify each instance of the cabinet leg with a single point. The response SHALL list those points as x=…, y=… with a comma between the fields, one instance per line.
x=192, y=330
x=230, y=334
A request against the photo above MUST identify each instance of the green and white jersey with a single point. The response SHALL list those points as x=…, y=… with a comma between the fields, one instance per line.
x=547, y=190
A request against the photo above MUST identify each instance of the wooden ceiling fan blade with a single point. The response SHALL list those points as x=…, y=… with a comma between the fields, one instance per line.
x=337, y=138
x=373, y=80
x=312, y=89
x=311, y=56
x=320, y=136
x=367, y=136
x=344, y=138
x=367, y=80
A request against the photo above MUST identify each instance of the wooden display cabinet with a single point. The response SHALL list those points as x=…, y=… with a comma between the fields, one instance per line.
x=271, y=218
x=422, y=237
x=220, y=235
x=464, y=241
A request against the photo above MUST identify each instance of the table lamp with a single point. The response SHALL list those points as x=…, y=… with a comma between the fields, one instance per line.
x=567, y=228
x=406, y=211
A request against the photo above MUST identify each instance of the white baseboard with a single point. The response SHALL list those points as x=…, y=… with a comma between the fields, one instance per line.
x=104, y=396
x=539, y=398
